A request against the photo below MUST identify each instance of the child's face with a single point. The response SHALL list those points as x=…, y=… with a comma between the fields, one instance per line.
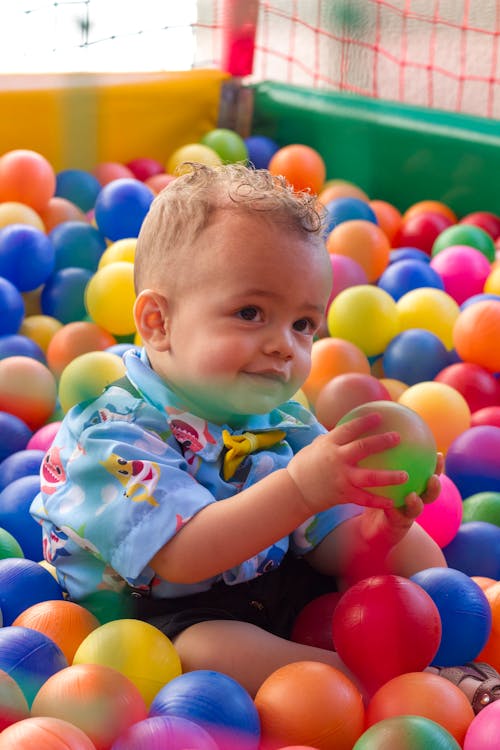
x=241, y=325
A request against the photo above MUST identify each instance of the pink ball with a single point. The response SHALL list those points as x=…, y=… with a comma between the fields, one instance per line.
x=463, y=270
x=489, y=415
x=442, y=518
x=346, y=272
x=483, y=730
x=42, y=439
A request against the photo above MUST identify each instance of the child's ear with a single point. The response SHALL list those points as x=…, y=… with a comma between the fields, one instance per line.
x=152, y=319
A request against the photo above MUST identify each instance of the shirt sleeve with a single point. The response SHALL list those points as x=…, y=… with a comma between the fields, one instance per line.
x=118, y=490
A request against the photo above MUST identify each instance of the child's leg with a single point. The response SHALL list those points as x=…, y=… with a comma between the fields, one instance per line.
x=245, y=652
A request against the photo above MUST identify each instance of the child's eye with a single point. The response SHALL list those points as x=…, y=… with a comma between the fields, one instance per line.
x=249, y=313
x=304, y=325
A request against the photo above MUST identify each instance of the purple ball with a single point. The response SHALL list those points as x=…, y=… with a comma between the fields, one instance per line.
x=472, y=460
x=160, y=732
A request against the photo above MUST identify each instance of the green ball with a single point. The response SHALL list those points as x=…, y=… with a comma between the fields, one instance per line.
x=406, y=733
x=465, y=234
x=483, y=506
x=9, y=546
x=227, y=144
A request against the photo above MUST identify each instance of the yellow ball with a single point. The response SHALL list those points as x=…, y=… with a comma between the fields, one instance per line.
x=86, y=376
x=12, y=212
x=443, y=408
x=110, y=297
x=301, y=397
x=135, y=648
x=40, y=329
x=364, y=315
x=121, y=250
x=431, y=309
x=195, y=152
x=492, y=283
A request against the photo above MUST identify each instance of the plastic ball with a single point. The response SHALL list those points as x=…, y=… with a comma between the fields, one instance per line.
x=374, y=624
x=394, y=387
x=161, y=732
x=364, y=242
x=472, y=460
x=415, y=453
x=465, y=234
x=405, y=275
x=313, y=624
x=406, y=733
x=475, y=550
x=9, y=546
x=137, y=649
x=23, y=583
x=491, y=651
x=443, y=409
x=77, y=244
x=301, y=165
x=25, y=462
x=75, y=339
x=109, y=285
x=227, y=712
x=488, y=415
x=477, y=385
x=338, y=188
x=421, y=230
x=28, y=656
x=347, y=272
x=344, y=392
x=27, y=256
x=308, y=702
x=388, y=217
x=44, y=733
x=121, y=250
x=27, y=390
x=339, y=210
x=431, y=309
x=260, y=150
x=364, y=315
x=482, y=506
x=15, y=344
x=178, y=161
x=159, y=181
x=78, y=186
x=59, y=210
x=442, y=518
x=482, y=733
x=483, y=582
x=27, y=177
x=486, y=220
x=331, y=357
x=424, y=206
x=13, y=705
x=462, y=269
x=228, y=144
x=42, y=439
x=40, y=329
x=464, y=611
x=14, y=434
x=144, y=167
x=86, y=376
x=422, y=694
x=12, y=212
x=483, y=297
x=66, y=623
x=121, y=207
x=97, y=699
x=12, y=307
x=408, y=253
x=415, y=355
x=62, y=296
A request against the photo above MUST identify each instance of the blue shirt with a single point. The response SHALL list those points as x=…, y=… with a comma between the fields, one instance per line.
x=127, y=470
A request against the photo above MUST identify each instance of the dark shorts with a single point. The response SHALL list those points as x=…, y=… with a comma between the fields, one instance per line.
x=272, y=601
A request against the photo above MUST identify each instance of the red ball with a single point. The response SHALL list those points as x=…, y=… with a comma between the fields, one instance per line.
x=313, y=625
x=385, y=626
x=144, y=167
x=490, y=415
x=26, y=177
x=478, y=386
x=421, y=230
x=344, y=392
x=484, y=220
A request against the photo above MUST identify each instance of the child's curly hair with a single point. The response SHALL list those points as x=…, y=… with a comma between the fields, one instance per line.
x=185, y=207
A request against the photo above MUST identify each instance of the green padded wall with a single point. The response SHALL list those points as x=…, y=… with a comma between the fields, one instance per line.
x=395, y=152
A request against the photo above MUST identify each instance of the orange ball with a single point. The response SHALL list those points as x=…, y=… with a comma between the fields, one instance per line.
x=331, y=357
x=333, y=189
x=423, y=694
x=437, y=207
x=310, y=703
x=301, y=165
x=344, y=392
x=59, y=210
x=26, y=177
x=27, y=390
x=388, y=216
x=159, y=181
x=107, y=171
x=74, y=339
x=364, y=242
x=484, y=582
x=395, y=387
x=476, y=333
x=491, y=651
x=44, y=733
x=65, y=622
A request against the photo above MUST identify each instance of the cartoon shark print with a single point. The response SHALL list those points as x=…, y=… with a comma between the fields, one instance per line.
x=52, y=473
x=191, y=433
x=54, y=545
x=272, y=560
x=139, y=478
x=108, y=413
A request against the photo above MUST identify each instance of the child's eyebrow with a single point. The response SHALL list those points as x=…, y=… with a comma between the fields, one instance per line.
x=266, y=293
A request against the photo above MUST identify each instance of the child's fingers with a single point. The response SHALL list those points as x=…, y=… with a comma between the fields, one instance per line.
x=349, y=431
x=360, y=477
x=432, y=490
x=362, y=447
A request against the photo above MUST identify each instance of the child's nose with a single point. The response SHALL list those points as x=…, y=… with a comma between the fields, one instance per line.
x=280, y=342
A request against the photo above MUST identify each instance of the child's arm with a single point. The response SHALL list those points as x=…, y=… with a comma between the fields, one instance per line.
x=323, y=474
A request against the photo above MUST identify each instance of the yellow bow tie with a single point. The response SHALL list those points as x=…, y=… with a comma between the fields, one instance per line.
x=239, y=446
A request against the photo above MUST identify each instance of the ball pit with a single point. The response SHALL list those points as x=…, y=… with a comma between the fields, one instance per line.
x=12, y=307
x=414, y=355
x=482, y=506
x=45, y=733
x=301, y=165
x=431, y=309
x=475, y=550
x=15, y=502
x=475, y=334
x=109, y=283
x=14, y=434
x=347, y=208
x=22, y=584
x=468, y=235
x=462, y=269
x=86, y=376
x=120, y=208
x=227, y=144
x=62, y=295
x=364, y=242
x=78, y=186
x=74, y=339
x=407, y=733
x=27, y=256
x=17, y=345
x=472, y=460
x=77, y=244
x=404, y=275
x=12, y=212
x=421, y=230
x=159, y=732
x=344, y=392
x=442, y=518
x=330, y=357
x=478, y=386
x=26, y=177
x=27, y=390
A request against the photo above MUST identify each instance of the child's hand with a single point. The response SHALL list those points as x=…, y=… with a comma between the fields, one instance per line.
x=327, y=472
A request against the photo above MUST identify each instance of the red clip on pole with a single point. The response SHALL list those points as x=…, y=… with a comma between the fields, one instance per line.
x=239, y=23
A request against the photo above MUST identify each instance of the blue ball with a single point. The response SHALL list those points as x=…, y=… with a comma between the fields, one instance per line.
x=405, y=275
x=15, y=517
x=414, y=356
x=14, y=434
x=483, y=297
x=27, y=256
x=408, y=253
x=17, y=345
x=260, y=150
x=475, y=550
x=23, y=463
x=77, y=244
x=22, y=584
x=79, y=187
x=121, y=208
x=29, y=656
x=63, y=296
x=347, y=209
x=465, y=614
x=12, y=307
x=216, y=702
